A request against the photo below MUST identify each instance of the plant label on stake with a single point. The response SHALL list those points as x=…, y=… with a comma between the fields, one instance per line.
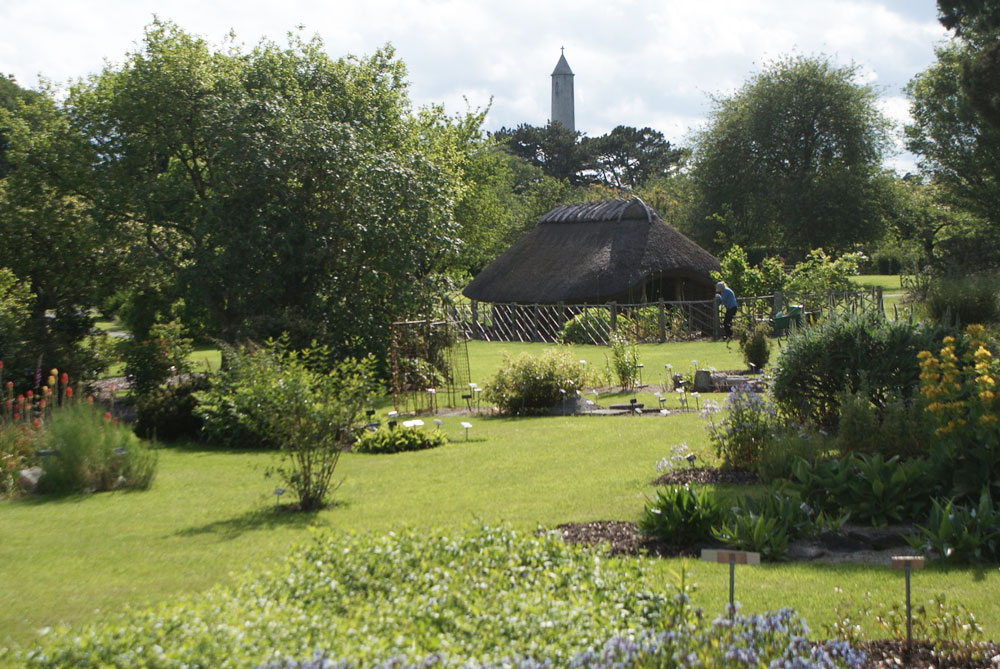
x=906, y=563
x=732, y=558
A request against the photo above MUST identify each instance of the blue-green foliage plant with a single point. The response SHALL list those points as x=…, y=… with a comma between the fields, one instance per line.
x=870, y=488
x=398, y=440
x=488, y=597
x=681, y=515
x=961, y=533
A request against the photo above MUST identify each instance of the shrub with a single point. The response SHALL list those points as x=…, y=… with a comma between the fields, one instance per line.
x=399, y=439
x=901, y=428
x=967, y=299
x=741, y=438
x=765, y=279
x=531, y=385
x=312, y=418
x=590, y=326
x=168, y=413
x=820, y=274
x=681, y=516
x=858, y=354
x=152, y=358
x=232, y=408
x=754, y=344
x=92, y=453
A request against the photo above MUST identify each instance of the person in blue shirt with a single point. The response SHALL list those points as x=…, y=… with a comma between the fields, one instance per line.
x=727, y=298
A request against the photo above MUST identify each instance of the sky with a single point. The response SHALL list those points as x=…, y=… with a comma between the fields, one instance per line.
x=637, y=62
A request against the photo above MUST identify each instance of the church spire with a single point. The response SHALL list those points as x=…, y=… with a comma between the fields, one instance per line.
x=562, y=94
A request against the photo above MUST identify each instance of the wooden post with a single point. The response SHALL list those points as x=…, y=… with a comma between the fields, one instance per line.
x=614, y=316
x=663, y=323
x=474, y=306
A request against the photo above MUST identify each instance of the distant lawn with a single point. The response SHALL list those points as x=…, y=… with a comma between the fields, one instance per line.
x=887, y=282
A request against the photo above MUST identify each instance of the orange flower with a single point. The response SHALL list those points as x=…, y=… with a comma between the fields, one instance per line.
x=107, y=415
x=90, y=399
x=69, y=392
x=36, y=423
x=41, y=404
x=64, y=378
x=30, y=394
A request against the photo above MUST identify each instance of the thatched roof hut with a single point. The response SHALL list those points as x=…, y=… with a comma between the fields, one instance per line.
x=596, y=252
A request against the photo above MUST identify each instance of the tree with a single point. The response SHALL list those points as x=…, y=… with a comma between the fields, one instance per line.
x=626, y=158
x=554, y=149
x=977, y=24
x=958, y=151
x=792, y=161
x=276, y=189
x=51, y=240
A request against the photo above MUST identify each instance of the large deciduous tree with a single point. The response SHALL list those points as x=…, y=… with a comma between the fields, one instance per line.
x=793, y=160
x=276, y=189
x=51, y=241
x=627, y=158
x=958, y=149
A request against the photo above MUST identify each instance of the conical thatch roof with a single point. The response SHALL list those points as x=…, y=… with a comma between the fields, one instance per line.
x=594, y=252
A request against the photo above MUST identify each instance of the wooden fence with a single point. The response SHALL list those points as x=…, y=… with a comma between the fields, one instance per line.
x=647, y=322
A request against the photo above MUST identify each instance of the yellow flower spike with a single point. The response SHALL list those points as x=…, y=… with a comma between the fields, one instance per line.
x=988, y=419
x=987, y=396
x=948, y=340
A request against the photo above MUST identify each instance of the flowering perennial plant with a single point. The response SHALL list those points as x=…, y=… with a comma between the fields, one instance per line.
x=959, y=385
x=741, y=437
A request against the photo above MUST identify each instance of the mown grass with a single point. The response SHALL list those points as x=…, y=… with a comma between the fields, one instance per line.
x=211, y=513
x=887, y=282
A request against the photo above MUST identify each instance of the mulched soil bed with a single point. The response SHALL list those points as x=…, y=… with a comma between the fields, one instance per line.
x=892, y=653
x=706, y=475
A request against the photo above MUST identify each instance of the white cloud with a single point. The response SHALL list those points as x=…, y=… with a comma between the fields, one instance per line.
x=637, y=62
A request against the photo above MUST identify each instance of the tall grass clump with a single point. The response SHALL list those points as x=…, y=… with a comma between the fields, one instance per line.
x=90, y=452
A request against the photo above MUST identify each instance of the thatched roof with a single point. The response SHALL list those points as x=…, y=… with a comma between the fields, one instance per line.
x=592, y=252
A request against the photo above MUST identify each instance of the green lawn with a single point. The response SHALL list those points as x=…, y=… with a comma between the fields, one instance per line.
x=887, y=282
x=212, y=513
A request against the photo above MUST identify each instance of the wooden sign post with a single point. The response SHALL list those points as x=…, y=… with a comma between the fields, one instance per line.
x=732, y=558
x=908, y=562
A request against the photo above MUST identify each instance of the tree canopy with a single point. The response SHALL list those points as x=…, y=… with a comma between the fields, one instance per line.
x=276, y=189
x=792, y=160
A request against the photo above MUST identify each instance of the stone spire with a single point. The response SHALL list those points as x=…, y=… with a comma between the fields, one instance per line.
x=562, y=94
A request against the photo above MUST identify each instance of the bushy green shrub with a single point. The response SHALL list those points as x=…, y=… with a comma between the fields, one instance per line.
x=742, y=437
x=681, y=516
x=168, y=413
x=232, y=409
x=531, y=385
x=901, y=427
x=746, y=281
x=754, y=344
x=399, y=439
x=966, y=299
x=590, y=326
x=92, y=453
x=18, y=444
x=864, y=354
x=152, y=358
